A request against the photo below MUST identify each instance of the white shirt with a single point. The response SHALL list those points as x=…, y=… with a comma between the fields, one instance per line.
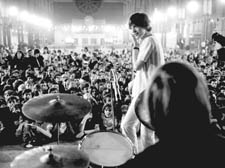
x=151, y=52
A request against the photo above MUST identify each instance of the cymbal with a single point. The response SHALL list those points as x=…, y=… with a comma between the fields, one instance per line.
x=56, y=107
x=52, y=156
x=4, y=158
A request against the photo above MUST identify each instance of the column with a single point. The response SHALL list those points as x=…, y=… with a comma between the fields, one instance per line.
x=1, y=30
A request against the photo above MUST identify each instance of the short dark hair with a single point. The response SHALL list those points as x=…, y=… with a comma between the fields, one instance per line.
x=140, y=20
x=50, y=90
x=36, y=51
x=27, y=91
x=105, y=106
x=2, y=101
x=12, y=97
x=218, y=38
x=45, y=48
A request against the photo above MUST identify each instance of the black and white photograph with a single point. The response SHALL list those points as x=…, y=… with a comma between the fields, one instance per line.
x=112, y=83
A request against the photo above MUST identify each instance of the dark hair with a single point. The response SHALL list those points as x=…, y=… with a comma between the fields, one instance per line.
x=45, y=48
x=85, y=85
x=140, y=20
x=2, y=101
x=7, y=88
x=177, y=95
x=218, y=38
x=221, y=54
x=21, y=52
x=105, y=106
x=30, y=75
x=12, y=97
x=36, y=51
x=26, y=91
x=74, y=89
x=50, y=90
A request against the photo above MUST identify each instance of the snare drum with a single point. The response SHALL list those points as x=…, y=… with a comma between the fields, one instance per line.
x=108, y=149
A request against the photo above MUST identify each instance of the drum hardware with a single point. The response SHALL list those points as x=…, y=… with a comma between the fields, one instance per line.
x=57, y=156
x=56, y=108
x=107, y=149
x=115, y=94
x=4, y=158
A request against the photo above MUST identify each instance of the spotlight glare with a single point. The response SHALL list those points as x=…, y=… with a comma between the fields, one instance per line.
x=13, y=11
x=192, y=7
x=222, y=1
x=172, y=11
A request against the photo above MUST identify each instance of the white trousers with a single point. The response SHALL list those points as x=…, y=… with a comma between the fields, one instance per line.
x=130, y=125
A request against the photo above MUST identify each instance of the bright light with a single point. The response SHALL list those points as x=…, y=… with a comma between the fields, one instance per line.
x=192, y=6
x=172, y=11
x=46, y=23
x=69, y=40
x=125, y=27
x=76, y=28
x=66, y=28
x=24, y=16
x=211, y=21
x=158, y=16
x=91, y=28
x=222, y=1
x=35, y=20
x=13, y=11
x=181, y=13
x=108, y=28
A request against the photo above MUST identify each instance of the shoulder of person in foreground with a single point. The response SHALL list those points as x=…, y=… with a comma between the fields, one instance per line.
x=144, y=159
x=157, y=156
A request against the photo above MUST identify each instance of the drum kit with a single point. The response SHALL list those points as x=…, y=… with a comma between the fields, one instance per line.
x=104, y=149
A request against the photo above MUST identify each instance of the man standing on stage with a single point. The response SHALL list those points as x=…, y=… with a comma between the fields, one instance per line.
x=146, y=56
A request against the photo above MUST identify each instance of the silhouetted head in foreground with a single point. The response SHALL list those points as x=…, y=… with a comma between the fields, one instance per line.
x=177, y=103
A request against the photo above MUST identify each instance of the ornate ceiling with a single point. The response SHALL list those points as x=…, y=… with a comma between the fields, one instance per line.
x=116, y=11
x=110, y=10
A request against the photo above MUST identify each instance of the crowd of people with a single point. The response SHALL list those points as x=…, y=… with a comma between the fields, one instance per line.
x=99, y=76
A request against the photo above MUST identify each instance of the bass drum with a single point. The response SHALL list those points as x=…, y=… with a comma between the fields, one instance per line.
x=107, y=149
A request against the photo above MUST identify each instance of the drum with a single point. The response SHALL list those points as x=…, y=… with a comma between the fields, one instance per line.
x=109, y=149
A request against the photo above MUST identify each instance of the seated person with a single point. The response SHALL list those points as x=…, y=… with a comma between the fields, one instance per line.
x=178, y=109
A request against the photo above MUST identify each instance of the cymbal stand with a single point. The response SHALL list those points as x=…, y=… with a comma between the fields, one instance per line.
x=58, y=100
x=112, y=104
x=58, y=132
x=113, y=96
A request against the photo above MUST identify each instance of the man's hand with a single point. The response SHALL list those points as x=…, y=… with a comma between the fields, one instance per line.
x=134, y=41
